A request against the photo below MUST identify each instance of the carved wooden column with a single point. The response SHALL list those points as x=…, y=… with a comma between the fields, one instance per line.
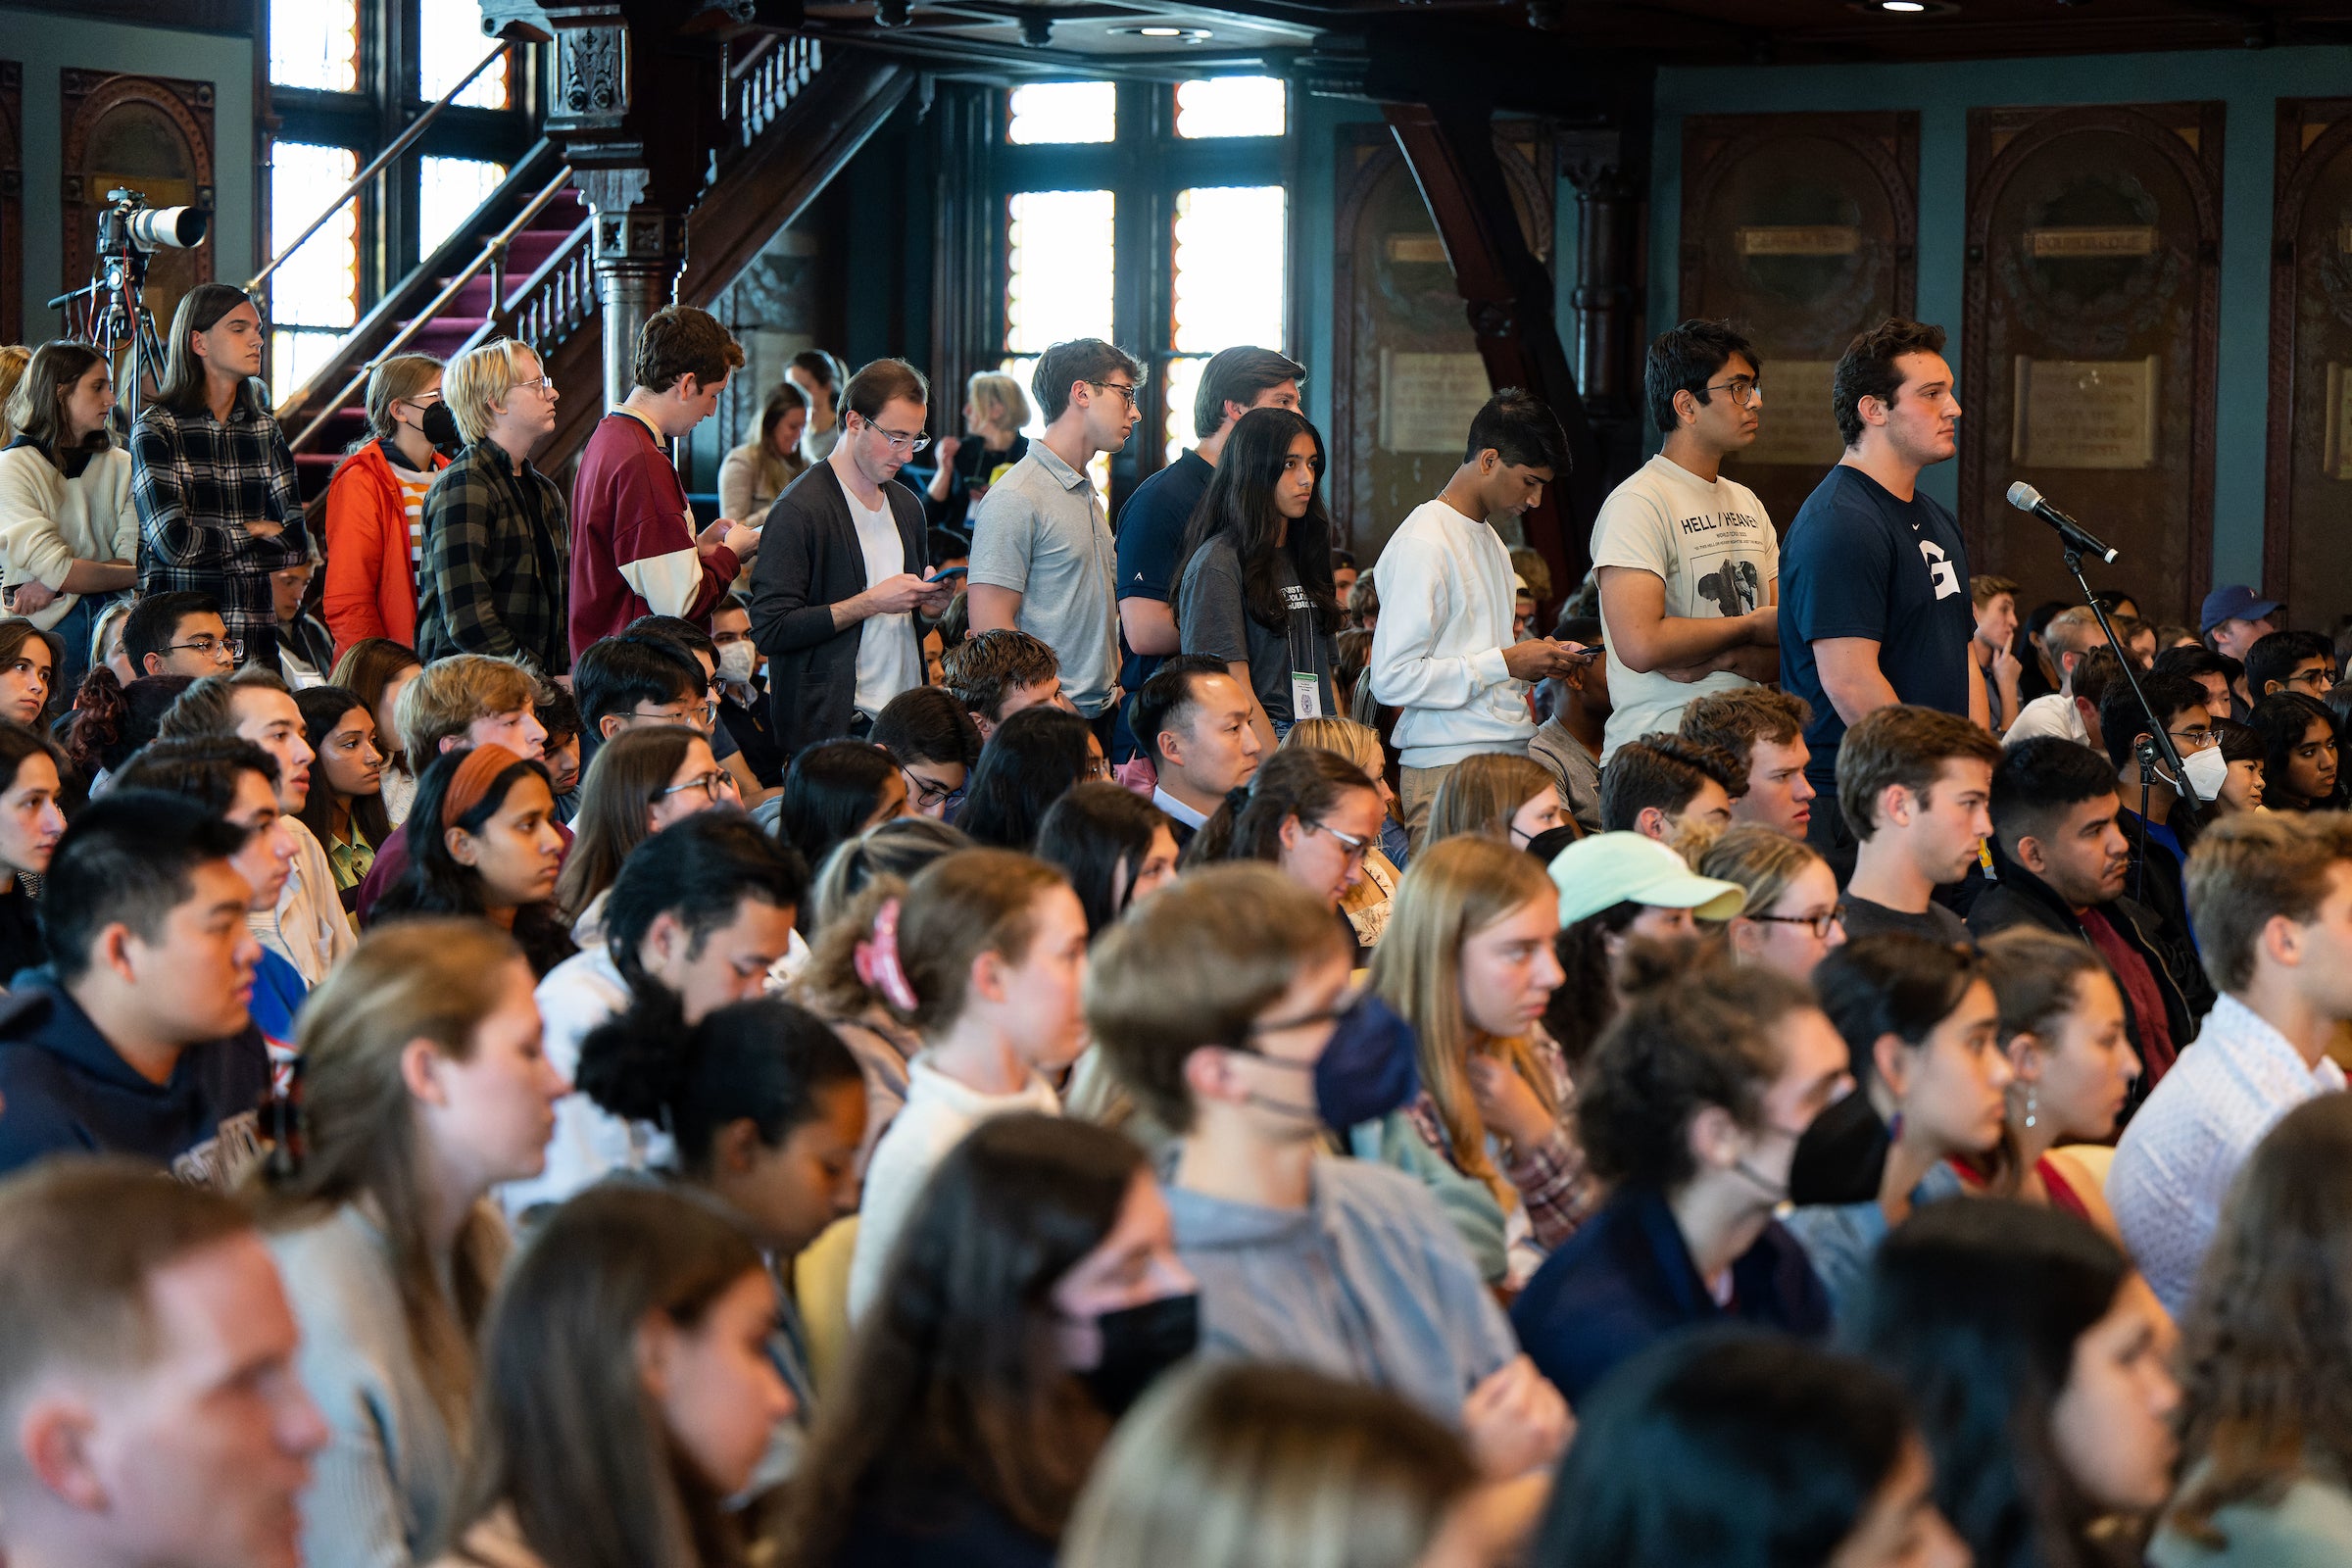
x=1606, y=295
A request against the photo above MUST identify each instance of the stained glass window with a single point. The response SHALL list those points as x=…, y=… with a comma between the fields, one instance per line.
x=449, y=190
x=1229, y=268
x=314, y=296
x=449, y=44
x=1065, y=112
x=1230, y=106
x=315, y=43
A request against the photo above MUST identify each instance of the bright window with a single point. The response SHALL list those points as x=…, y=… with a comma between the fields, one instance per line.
x=1183, y=383
x=1230, y=106
x=449, y=44
x=315, y=43
x=449, y=191
x=314, y=296
x=1058, y=277
x=1229, y=268
x=1065, y=112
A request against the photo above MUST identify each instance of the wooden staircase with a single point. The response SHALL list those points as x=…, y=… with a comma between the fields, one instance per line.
x=522, y=265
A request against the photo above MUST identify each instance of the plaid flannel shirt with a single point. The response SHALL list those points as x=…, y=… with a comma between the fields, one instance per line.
x=1550, y=1176
x=198, y=482
x=492, y=582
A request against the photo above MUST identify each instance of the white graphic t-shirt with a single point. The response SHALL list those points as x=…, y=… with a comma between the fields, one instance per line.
x=1712, y=546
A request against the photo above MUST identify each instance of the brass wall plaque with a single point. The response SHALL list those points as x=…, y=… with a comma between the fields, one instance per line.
x=2084, y=414
x=2089, y=244
x=1428, y=400
x=1800, y=240
x=1797, y=425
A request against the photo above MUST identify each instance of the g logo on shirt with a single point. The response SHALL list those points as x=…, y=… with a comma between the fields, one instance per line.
x=1940, y=570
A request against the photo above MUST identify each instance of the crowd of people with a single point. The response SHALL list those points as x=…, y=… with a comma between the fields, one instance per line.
x=542, y=1031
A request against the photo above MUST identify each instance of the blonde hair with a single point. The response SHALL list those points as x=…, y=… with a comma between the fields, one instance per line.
x=1231, y=1465
x=1481, y=794
x=427, y=979
x=1456, y=889
x=1760, y=860
x=998, y=399
x=1358, y=743
x=450, y=694
x=13, y=359
x=396, y=380
x=479, y=379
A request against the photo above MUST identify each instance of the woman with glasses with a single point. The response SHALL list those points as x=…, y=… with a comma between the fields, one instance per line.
x=1793, y=919
x=1313, y=814
x=375, y=503
x=837, y=791
x=640, y=781
x=2299, y=761
x=1032, y=760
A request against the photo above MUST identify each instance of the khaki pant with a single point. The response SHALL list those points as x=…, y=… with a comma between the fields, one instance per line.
x=1419, y=788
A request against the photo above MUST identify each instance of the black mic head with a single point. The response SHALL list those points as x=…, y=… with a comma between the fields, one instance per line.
x=2024, y=497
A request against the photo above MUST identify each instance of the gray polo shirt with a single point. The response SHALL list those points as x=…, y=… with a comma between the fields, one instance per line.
x=1041, y=532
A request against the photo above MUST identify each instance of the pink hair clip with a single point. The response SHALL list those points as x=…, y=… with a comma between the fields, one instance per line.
x=877, y=959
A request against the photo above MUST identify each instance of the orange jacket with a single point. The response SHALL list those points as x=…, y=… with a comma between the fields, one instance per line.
x=370, y=589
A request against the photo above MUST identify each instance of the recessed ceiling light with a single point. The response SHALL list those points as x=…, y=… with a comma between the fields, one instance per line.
x=1902, y=5
x=1162, y=32
x=1905, y=8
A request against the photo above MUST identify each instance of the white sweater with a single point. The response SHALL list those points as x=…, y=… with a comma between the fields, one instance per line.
x=48, y=521
x=1446, y=598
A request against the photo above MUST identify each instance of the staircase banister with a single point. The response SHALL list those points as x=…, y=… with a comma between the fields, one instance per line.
x=563, y=257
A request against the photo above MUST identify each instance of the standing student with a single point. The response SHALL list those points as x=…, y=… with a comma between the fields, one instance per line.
x=2272, y=894
x=634, y=548
x=375, y=503
x=995, y=409
x=1688, y=561
x=1764, y=730
x=422, y=1088
x=624, y=1398
x=1153, y=521
x=985, y=956
x=345, y=809
x=1114, y=846
x=489, y=849
x=1442, y=649
x=497, y=532
x=1913, y=789
x=211, y=472
x=1041, y=554
x=754, y=475
x=1874, y=598
x=1194, y=722
x=1691, y=1112
x=30, y=824
x=641, y=782
x=1792, y=918
x=1254, y=590
x=845, y=568
x=69, y=526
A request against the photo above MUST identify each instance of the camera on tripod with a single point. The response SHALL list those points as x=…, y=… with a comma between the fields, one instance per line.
x=129, y=223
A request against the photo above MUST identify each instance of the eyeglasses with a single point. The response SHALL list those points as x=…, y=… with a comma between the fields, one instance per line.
x=899, y=440
x=702, y=715
x=1820, y=923
x=1352, y=847
x=219, y=649
x=2319, y=680
x=544, y=383
x=1744, y=391
x=713, y=784
x=929, y=794
x=2197, y=739
x=1125, y=389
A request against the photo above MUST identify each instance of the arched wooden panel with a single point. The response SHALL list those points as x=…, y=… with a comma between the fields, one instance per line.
x=2306, y=512
x=11, y=202
x=2093, y=270
x=1802, y=230
x=153, y=135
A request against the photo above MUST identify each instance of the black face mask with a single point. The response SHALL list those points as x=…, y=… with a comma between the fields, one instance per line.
x=440, y=427
x=1139, y=1343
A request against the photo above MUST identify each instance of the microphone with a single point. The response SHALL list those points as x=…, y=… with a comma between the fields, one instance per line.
x=2025, y=498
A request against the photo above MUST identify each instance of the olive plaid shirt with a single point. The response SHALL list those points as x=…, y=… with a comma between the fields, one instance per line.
x=494, y=575
x=198, y=483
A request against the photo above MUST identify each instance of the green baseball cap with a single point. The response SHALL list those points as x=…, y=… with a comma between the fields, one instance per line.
x=1609, y=868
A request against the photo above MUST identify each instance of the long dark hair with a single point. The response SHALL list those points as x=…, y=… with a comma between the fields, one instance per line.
x=323, y=709
x=955, y=1384
x=829, y=793
x=1034, y=759
x=1238, y=507
x=1975, y=1307
x=565, y=1431
x=14, y=635
x=433, y=882
x=1306, y=782
x=200, y=310
x=1099, y=834
x=2283, y=719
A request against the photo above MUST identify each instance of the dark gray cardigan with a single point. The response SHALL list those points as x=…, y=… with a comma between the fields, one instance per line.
x=809, y=561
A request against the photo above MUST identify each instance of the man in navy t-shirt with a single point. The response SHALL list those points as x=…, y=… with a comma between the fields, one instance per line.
x=1873, y=577
x=1151, y=524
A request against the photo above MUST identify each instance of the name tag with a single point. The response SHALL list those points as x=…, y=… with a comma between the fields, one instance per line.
x=1307, y=696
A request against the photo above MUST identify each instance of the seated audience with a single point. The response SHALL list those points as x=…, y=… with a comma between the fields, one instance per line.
x=1569, y=742
x=1191, y=723
x=1215, y=1002
x=1994, y=601
x=1747, y=1449
x=2158, y=836
x=2036, y=1360
x=2062, y=1026
x=984, y=957
x=1764, y=730
x=180, y=633
x=640, y=781
x=936, y=745
x=2059, y=863
x=995, y=674
x=1689, y=1111
x=306, y=649
x=106, y=642
x=155, y=1416
x=622, y=1398
x=2301, y=662
x=1311, y=813
x=836, y=790
x=2272, y=894
x=1468, y=964
x=1036, y=1297
x=1031, y=761
x=1913, y=784
x=1792, y=918
x=696, y=916
x=995, y=410
x=1360, y=743
x=1621, y=894
x=70, y=537
x=2264, y=1460
x=1113, y=844
x=495, y=855
x=628, y=682
x=2299, y=758
x=2244, y=749
x=137, y=1039
x=2219, y=674
x=767, y=1111
x=900, y=848
x=1662, y=784
x=1923, y=1038
x=110, y=721
x=28, y=662
x=30, y=824
x=2072, y=711
x=376, y=505
x=743, y=700
x=422, y=1088
x=763, y=467
x=698, y=655
x=377, y=671
x=1498, y=795
x=345, y=809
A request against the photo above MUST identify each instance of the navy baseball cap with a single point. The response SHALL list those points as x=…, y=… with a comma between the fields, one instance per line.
x=2237, y=601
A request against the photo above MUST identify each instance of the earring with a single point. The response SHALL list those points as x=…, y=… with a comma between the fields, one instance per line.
x=2032, y=1105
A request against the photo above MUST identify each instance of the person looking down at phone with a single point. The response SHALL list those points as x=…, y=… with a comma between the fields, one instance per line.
x=844, y=567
